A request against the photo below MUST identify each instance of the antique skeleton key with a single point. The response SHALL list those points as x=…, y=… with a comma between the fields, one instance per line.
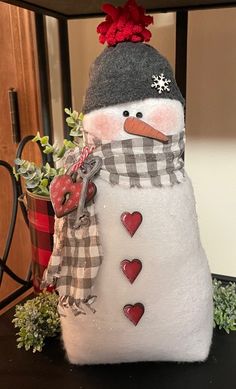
x=90, y=168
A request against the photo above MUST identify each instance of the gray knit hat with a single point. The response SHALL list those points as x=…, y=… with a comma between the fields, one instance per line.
x=128, y=72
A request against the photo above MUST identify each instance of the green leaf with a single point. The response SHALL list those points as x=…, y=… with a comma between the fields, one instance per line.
x=61, y=152
x=44, y=191
x=15, y=173
x=70, y=120
x=67, y=111
x=25, y=167
x=60, y=171
x=31, y=184
x=47, y=167
x=53, y=172
x=19, y=161
x=31, y=175
x=75, y=115
x=68, y=144
x=76, y=132
x=81, y=116
x=44, y=140
x=44, y=182
x=37, y=137
x=48, y=149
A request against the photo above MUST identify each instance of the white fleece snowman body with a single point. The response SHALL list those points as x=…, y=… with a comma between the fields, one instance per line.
x=174, y=285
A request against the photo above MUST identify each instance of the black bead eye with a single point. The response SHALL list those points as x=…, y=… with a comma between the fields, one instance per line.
x=126, y=114
x=139, y=115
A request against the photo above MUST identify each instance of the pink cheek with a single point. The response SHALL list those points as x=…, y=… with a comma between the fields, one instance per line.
x=105, y=127
x=164, y=119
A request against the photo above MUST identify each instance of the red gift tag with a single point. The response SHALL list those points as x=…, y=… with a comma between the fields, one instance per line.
x=65, y=194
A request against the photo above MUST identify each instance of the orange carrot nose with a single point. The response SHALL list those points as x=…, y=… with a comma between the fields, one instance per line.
x=136, y=126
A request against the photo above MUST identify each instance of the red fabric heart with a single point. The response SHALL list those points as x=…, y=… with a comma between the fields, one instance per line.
x=65, y=194
x=131, y=269
x=134, y=312
x=131, y=221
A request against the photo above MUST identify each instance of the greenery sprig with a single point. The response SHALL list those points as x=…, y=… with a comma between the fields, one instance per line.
x=224, y=305
x=39, y=178
x=75, y=122
x=56, y=151
x=36, y=320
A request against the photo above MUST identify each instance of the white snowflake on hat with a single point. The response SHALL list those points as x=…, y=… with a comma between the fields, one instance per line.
x=161, y=83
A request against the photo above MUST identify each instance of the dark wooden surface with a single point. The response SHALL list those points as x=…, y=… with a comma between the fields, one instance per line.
x=24, y=370
x=81, y=8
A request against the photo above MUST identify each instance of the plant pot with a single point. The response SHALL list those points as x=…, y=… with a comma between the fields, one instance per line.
x=41, y=225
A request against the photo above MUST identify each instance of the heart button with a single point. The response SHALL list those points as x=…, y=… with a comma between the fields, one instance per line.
x=134, y=312
x=65, y=194
x=131, y=221
x=131, y=269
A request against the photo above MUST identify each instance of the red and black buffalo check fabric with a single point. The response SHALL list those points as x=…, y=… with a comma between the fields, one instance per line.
x=41, y=224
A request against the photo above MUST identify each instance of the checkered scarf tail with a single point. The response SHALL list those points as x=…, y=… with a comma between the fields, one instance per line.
x=75, y=261
x=77, y=253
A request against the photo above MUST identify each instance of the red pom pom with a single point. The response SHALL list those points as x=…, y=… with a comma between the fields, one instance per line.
x=136, y=38
x=102, y=27
x=146, y=34
x=124, y=24
x=110, y=10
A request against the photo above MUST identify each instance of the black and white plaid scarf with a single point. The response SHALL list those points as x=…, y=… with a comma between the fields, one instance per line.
x=77, y=254
x=143, y=162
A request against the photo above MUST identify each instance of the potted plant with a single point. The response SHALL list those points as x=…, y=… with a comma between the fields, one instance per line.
x=224, y=297
x=36, y=320
x=37, y=182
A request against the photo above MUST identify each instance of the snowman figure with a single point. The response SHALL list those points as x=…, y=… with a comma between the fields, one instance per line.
x=150, y=298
